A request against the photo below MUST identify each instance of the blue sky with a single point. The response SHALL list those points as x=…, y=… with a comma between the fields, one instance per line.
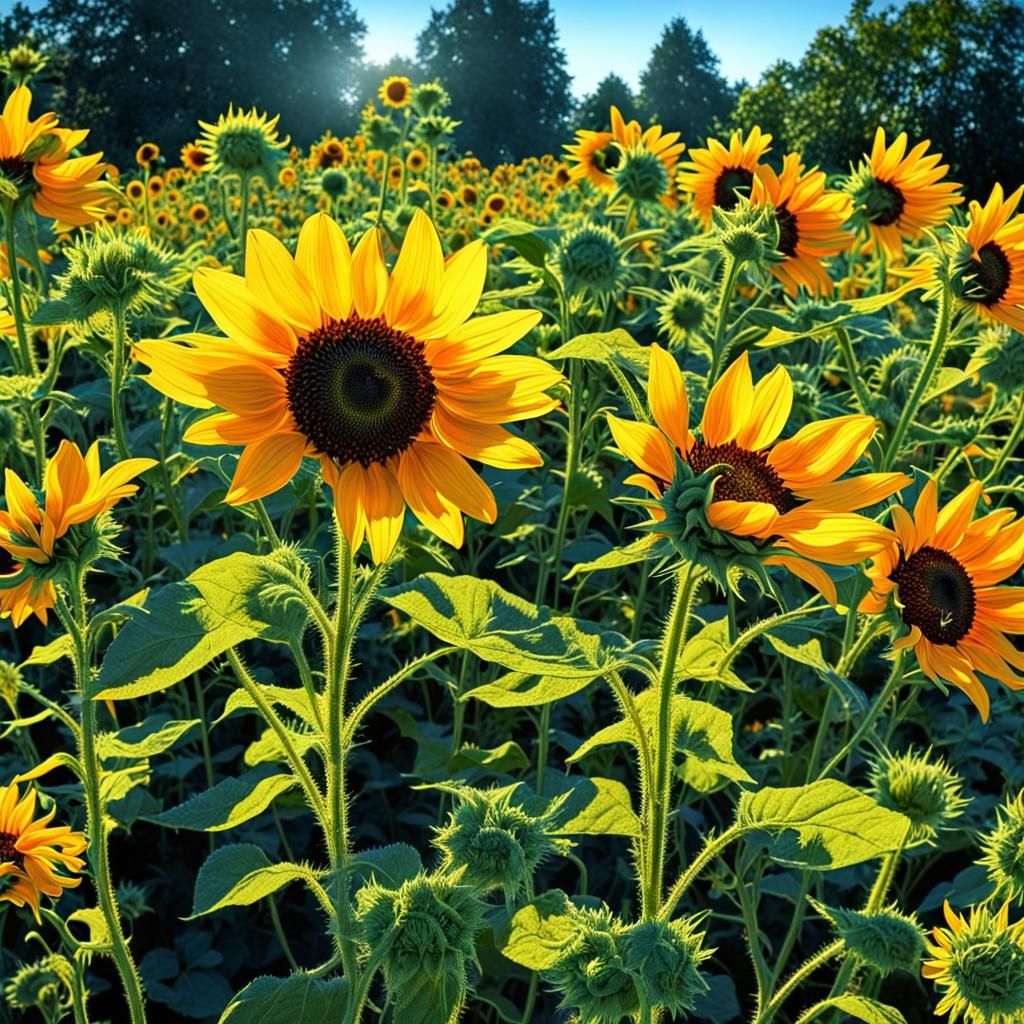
x=612, y=35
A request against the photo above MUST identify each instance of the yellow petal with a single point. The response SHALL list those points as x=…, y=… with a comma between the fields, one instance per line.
x=769, y=411
x=369, y=275
x=728, y=404
x=265, y=466
x=241, y=315
x=273, y=276
x=323, y=254
x=416, y=279
x=461, y=287
x=666, y=392
x=645, y=446
x=385, y=511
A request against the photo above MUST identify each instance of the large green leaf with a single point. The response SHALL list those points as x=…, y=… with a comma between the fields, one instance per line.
x=294, y=698
x=238, y=876
x=537, y=934
x=617, y=346
x=824, y=825
x=867, y=1010
x=183, y=626
x=703, y=654
x=478, y=616
x=595, y=807
x=153, y=736
x=300, y=999
x=522, y=690
x=229, y=803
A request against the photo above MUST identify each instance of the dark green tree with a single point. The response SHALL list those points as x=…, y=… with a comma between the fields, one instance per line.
x=506, y=73
x=610, y=91
x=682, y=88
x=947, y=70
x=136, y=67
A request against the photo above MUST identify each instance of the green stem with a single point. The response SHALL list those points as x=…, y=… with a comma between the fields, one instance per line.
x=243, y=220
x=383, y=189
x=719, y=348
x=800, y=975
x=117, y=382
x=936, y=350
x=712, y=848
x=281, y=936
x=75, y=622
x=1011, y=444
x=660, y=789
x=853, y=369
x=28, y=356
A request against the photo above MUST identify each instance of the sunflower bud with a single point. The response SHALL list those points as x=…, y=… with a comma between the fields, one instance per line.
x=1002, y=353
x=495, y=843
x=10, y=683
x=747, y=233
x=920, y=786
x=665, y=959
x=334, y=182
x=380, y=132
x=590, y=260
x=640, y=175
x=242, y=143
x=429, y=98
x=887, y=940
x=1004, y=850
x=423, y=933
x=435, y=129
x=682, y=314
x=45, y=985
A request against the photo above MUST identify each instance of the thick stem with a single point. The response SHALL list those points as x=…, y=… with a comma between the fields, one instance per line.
x=117, y=383
x=720, y=348
x=27, y=355
x=243, y=220
x=800, y=975
x=936, y=350
x=660, y=789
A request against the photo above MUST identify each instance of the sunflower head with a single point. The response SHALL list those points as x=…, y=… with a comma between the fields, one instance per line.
x=10, y=683
x=435, y=129
x=640, y=174
x=21, y=63
x=665, y=959
x=334, y=182
x=590, y=259
x=429, y=98
x=46, y=985
x=395, y=91
x=921, y=787
x=747, y=233
x=193, y=157
x=1004, y=850
x=887, y=939
x=381, y=133
x=977, y=963
x=242, y=143
x=682, y=313
x=147, y=154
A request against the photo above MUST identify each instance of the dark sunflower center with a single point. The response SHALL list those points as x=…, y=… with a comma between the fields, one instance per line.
x=990, y=274
x=359, y=390
x=16, y=170
x=789, y=233
x=396, y=92
x=884, y=203
x=937, y=595
x=748, y=478
x=726, y=196
x=8, y=853
x=7, y=562
x=607, y=159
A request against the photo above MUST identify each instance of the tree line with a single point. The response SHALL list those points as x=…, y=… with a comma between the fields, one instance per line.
x=948, y=70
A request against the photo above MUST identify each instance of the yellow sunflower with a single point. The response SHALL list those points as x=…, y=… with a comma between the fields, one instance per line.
x=75, y=491
x=898, y=195
x=395, y=91
x=34, y=855
x=978, y=964
x=594, y=154
x=384, y=379
x=943, y=571
x=34, y=157
x=194, y=157
x=811, y=220
x=989, y=266
x=787, y=492
x=712, y=176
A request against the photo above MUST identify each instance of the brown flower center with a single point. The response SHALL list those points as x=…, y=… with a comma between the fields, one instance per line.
x=8, y=852
x=937, y=595
x=16, y=170
x=359, y=390
x=789, y=232
x=990, y=275
x=884, y=203
x=748, y=478
x=727, y=183
x=608, y=158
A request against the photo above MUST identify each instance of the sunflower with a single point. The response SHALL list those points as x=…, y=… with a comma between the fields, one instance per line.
x=75, y=492
x=978, y=964
x=785, y=492
x=712, y=176
x=384, y=379
x=135, y=191
x=496, y=203
x=944, y=570
x=898, y=195
x=194, y=157
x=416, y=161
x=34, y=158
x=810, y=220
x=395, y=91
x=594, y=154
x=242, y=143
x=147, y=153
x=33, y=853
x=989, y=263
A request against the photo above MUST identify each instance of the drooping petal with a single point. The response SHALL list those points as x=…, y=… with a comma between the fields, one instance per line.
x=265, y=466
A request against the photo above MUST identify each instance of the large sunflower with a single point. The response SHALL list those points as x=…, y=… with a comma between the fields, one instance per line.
x=31, y=530
x=384, y=379
x=811, y=220
x=785, y=492
x=33, y=854
x=943, y=570
x=989, y=265
x=34, y=157
x=898, y=195
x=712, y=176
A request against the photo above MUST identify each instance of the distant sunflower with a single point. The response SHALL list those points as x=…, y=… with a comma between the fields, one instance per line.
x=395, y=91
x=496, y=203
x=943, y=570
x=242, y=142
x=898, y=195
x=384, y=379
x=416, y=161
x=594, y=154
x=810, y=219
x=194, y=157
x=36, y=858
x=147, y=153
x=75, y=491
x=717, y=176
x=989, y=263
x=34, y=157
x=787, y=492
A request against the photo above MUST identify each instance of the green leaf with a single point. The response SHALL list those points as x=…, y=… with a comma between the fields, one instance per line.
x=618, y=347
x=49, y=653
x=148, y=738
x=522, y=690
x=505, y=758
x=238, y=876
x=824, y=825
x=294, y=698
x=703, y=655
x=867, y=1010
x=183, y=626
x=229, y=803
x=268, y=748
x=596, y=807
x=478, y=616
x=537, y=934
x=300, y=999
x=639, y=551
x=53, y=313
x=390, y=865
x=61, y=759
x=523, y=237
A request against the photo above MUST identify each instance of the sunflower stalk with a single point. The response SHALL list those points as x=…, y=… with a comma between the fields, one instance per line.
x=117, y=381
x=720, y=347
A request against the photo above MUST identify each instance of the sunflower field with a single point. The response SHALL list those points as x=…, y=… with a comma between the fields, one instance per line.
x=581, y=590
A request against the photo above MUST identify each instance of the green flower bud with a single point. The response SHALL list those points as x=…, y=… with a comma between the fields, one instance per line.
x=334, y=182
x=747, y=233
x=429, y=98
x=22, y=63
x=590, y=260
x=922, y=787
x=44, y=985
x=888, y=939
x=665, y=959
x=380, y=132
x=640, y=175
x=1003, y=353
x=435, y=129
x=1004, y=850
x=131, y=898
x=10, y=683
x=682, y=313
x=242, y=143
